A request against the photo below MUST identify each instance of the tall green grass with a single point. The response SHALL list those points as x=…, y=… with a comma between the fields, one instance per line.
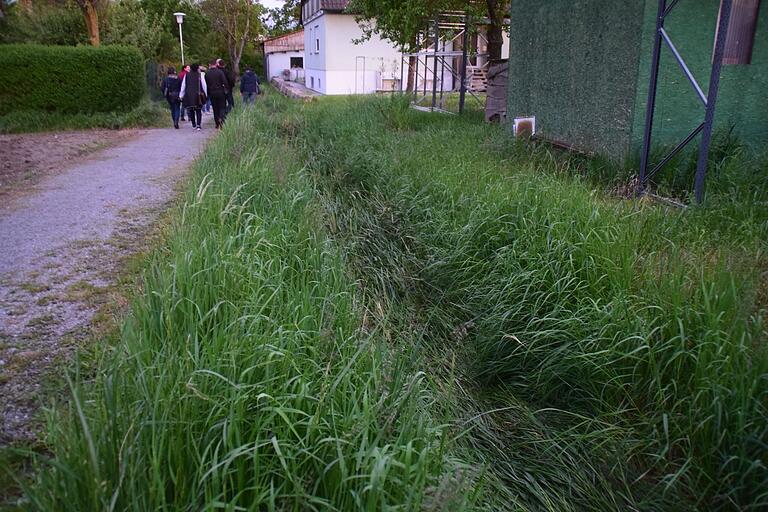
x=360, y=306
x=619, y=341
x=247, y=376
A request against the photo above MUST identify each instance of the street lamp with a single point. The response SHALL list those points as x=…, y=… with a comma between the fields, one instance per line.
x=180, y=20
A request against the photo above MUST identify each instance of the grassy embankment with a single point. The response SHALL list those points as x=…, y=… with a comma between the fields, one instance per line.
x=245, y=377
x=580, y=352
x=147, y=114
x=619, y=345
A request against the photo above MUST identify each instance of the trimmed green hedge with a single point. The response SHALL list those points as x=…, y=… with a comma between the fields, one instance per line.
x=70, y=79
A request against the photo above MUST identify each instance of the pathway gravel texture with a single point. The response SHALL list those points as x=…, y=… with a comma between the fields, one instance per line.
x=61, y=246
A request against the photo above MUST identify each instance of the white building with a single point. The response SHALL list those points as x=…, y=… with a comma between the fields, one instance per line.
x=333, y=63
x=284, y=56
x=338, y=61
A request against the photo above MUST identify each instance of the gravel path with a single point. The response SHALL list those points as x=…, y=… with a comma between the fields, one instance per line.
x=60, y=248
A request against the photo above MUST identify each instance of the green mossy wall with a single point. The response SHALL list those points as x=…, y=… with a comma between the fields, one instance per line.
x=573, y=64
x=582, y=68
x=742, y=101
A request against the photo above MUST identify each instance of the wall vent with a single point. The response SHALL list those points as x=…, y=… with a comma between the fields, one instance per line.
x=524, y=127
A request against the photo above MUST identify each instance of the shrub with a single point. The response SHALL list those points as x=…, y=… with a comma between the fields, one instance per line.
x=70, y=80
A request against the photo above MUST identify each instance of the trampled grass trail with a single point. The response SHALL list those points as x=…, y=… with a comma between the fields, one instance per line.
x=608, y=354
x=364, y=307
x=244, y=378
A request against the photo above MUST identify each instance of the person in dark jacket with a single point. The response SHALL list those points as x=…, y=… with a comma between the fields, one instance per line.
x=171, y=89
x=249, y=86
x=193, y=92
x=231, y=80
x=218, y=88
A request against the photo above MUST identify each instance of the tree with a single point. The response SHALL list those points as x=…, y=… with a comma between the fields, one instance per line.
x=238, y=20
x=50, y=23
x=91, y=13
x=286, y=18
x=199, y=40
x=496, y=10
x=129, y=24
x=89, y=9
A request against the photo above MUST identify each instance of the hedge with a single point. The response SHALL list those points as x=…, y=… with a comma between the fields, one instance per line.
x=70, y=79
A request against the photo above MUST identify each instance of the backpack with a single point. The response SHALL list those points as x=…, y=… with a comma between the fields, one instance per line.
x=171, y=88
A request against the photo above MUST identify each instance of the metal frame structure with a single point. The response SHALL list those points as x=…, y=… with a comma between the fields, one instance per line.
x=445, y=29
x=708, y=100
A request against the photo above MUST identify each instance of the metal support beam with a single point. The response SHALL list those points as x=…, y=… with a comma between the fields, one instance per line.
x=683, y=66
x=436, y=59
x=709, y=100
x=655, y=58
x=465, y=48
x=434, y=69
x=675, y=151
x=709, y=116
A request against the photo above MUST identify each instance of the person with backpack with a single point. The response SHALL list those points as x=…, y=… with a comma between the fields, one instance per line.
x=194, y=92
x=171, y=88
x=249, y=86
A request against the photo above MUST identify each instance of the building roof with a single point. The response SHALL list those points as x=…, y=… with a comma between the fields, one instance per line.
x=310, y=7
x=334, y=5
x=291, y=42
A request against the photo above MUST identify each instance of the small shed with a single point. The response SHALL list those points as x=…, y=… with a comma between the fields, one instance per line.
x=284, y=56
x=582, y=69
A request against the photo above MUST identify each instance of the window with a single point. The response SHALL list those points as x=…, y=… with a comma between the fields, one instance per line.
x=741, y=31
x=319, y=85
x=311, y=82
x=297, y=62
x=317, y=39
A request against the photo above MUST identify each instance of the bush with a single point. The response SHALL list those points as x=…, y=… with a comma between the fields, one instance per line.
x=70, y=80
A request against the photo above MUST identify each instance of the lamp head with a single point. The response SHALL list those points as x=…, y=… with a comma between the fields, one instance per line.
x=179, y=17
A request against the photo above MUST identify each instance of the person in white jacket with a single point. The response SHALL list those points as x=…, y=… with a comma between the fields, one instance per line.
x=194, y=93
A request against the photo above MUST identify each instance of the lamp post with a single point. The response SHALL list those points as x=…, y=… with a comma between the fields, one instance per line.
x=180, y=20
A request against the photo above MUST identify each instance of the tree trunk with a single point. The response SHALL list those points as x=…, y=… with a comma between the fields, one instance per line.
x=91, y=20
x=235, y=50
x=235, y=54
x=411, y=83
x=496, y=28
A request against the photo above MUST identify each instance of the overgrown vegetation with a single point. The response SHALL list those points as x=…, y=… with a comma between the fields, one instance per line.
x=619, y=345
x=246, y=376
x=361, y=306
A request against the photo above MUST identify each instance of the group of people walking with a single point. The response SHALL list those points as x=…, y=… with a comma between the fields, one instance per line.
x=194, y=87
